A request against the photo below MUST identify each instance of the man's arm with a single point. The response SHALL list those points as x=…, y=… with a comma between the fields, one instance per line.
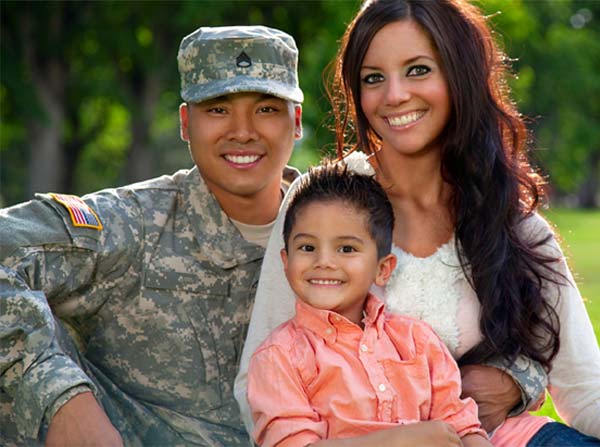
x=43, y=262
x=82, y=422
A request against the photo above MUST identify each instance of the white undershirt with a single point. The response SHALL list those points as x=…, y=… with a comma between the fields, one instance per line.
x=257, y=234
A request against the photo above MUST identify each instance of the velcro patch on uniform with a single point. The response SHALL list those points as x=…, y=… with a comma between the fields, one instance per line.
x=81, y=214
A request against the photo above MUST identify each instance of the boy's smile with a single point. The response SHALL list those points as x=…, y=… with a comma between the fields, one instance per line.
x=332, y=259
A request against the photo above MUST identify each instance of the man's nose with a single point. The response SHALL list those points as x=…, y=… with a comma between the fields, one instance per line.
x=243, y=128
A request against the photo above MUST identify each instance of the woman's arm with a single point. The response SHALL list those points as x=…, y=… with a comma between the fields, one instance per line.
x=575, y=375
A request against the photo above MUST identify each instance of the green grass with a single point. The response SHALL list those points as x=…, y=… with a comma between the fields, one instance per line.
x=580, y=233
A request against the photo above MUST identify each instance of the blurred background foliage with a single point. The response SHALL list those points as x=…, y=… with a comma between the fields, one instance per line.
x=89, y=90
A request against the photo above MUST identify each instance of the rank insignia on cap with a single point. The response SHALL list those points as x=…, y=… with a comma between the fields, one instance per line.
x=243, y=60
x=81, y=214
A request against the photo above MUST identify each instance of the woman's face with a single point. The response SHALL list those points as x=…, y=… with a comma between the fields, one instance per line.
x=404, y=93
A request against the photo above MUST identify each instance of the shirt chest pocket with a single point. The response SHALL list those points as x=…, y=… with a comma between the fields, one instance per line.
x=411, y=381
x=182, y=318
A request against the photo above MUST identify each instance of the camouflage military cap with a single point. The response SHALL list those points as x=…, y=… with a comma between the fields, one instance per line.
x=232, y=59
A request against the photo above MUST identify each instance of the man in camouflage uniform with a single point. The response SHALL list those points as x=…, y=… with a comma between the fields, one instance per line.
x=141, y=295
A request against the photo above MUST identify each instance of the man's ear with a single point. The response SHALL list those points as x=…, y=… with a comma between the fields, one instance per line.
x=183, y=121
x=386, y=266
x=298, y=121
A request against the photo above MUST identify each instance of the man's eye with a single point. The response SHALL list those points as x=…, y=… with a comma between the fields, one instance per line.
x=218, y=110
x=307, y=247
x=347, y=249
x=267, y=109
x=373, y=78
x=418, y=70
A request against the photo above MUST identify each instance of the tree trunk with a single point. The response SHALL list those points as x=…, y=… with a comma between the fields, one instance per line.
x=590, y=187
x=140, y=161
x=49, y=78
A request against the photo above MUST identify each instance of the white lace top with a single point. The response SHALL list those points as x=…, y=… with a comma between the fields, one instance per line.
x=430, y=289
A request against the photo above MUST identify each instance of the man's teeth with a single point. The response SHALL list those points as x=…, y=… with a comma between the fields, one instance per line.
x=325, y=282
x=242, y=159
x=405, y=119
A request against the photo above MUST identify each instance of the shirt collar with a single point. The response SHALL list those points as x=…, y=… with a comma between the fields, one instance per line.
x=328, y=324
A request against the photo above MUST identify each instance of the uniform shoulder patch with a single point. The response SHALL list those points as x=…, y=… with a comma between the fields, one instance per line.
x=81, y=214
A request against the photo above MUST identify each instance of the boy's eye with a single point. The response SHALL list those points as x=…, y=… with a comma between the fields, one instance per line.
x=373, y=78
x=307, y=247
x=418, y=70
x=347, y=249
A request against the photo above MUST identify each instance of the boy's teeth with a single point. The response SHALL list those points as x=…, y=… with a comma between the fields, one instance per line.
x=242, y=159
x=405, y=119
x=326, y=282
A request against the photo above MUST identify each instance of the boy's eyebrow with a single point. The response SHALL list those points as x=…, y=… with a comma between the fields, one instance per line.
x=299, y=235
x=339, y=238
x=351, y=238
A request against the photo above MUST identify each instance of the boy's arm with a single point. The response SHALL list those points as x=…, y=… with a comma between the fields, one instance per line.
x=281, y=410
x=424, y=433
x=446, y=404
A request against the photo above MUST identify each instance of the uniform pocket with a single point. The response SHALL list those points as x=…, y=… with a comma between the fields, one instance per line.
x=169, y=334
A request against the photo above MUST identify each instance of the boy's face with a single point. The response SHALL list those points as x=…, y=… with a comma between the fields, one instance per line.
x=332, y=260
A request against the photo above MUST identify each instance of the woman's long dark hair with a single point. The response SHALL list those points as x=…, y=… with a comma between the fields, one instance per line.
x=483, y=159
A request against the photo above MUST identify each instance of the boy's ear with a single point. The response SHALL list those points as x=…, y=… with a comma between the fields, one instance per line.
x=284, y=258
x=386, y=266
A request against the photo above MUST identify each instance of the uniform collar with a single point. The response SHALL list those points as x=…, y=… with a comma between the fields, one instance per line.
x=328, y=324
x=216, y=234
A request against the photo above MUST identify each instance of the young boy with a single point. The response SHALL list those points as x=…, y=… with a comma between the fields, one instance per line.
x=342, y=368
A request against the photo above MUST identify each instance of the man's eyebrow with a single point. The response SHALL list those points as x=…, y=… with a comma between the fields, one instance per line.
x=228, y=97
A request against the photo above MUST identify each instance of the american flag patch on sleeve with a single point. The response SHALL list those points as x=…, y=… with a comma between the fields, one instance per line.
x=81, y=214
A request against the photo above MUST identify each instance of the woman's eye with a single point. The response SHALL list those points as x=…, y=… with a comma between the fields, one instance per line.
x=307, y=247
x=418, y=70
x=373, y=78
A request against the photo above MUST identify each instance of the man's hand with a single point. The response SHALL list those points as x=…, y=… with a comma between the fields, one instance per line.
x=82, y=422
x=494, y=391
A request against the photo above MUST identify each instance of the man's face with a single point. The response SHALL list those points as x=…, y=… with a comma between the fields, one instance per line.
x=241, y=142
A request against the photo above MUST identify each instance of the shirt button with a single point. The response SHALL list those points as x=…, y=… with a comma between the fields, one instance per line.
x=381, y=387
x=364, y=348
x=328, y=330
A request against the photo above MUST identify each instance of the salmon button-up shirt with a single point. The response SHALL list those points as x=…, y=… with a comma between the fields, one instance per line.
x=320, y=376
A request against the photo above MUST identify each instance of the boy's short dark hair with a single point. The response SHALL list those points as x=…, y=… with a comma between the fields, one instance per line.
x=334, y=182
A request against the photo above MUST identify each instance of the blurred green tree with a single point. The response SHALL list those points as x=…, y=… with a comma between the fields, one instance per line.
x=89, y=90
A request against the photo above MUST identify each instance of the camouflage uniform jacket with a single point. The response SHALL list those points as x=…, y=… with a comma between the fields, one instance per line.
x=158, y=302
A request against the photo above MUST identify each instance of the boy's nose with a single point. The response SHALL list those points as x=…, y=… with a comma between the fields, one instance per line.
x=326, y=259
